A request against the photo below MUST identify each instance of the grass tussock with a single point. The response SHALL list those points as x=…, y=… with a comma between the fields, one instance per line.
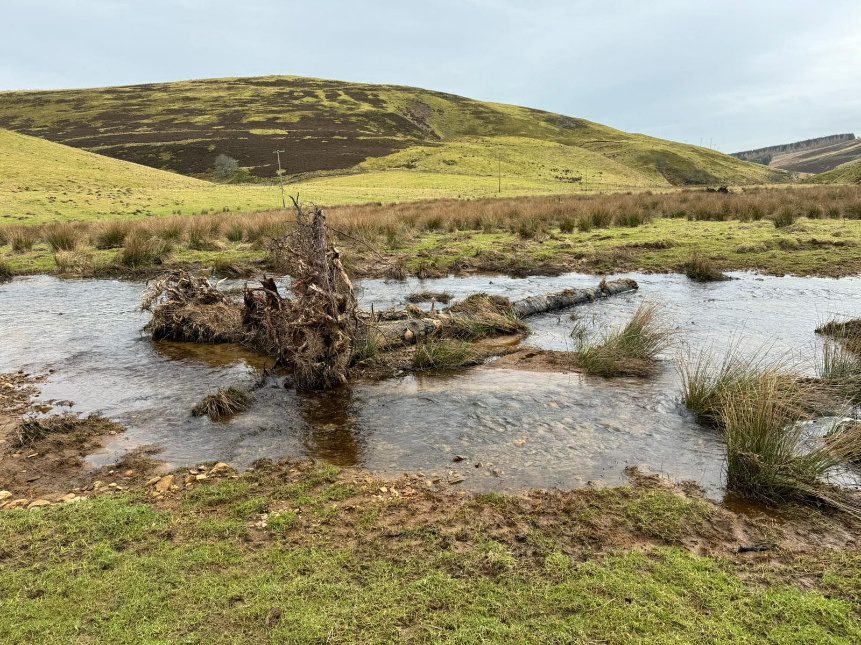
x=632, y=350
x=760, y=408
x=61, y=237
x=74, y=262
x=5, y=271
x=443, y=354
x=847, y=333
x=223, y=404
x=142, y=249
x=701, y=269
x=111, y=235
x=22, y=238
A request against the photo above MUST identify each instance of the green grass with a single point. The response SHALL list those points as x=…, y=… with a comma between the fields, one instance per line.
x=116, y=569
x=846, y=174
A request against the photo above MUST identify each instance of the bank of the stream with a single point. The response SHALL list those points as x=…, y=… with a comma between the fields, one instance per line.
x=303, y=553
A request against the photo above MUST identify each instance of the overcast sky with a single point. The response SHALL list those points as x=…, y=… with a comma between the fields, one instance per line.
x=740, y=74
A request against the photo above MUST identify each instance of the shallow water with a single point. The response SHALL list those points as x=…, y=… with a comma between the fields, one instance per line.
x=525, y=429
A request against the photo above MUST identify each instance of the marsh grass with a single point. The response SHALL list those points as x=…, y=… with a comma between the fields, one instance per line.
x=142, y=249
x=74, y=262
x=632, y=350
x=770, y=456
x=760, y=407
x=225, y=403
x=22, y=238
x=5, y=271
x=701, y=269
x=61, y=237
x=111, y=235
x=443, y=354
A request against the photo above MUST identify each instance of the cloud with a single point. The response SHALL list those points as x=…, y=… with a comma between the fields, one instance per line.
x=740, y=73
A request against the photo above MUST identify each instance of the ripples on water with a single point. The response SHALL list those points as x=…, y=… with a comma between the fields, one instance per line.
x=524, y=429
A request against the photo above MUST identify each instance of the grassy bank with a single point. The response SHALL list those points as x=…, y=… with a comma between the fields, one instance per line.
x=307, y=554
x=804, y=231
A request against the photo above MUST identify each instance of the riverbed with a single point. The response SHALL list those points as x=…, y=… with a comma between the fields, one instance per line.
x=513, y=429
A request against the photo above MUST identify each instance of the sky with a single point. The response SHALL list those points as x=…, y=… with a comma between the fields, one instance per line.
x=728, y=74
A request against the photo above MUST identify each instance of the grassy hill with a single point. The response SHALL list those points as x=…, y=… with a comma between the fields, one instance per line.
x=348, y=128
x=42, y=181
x=846, y=174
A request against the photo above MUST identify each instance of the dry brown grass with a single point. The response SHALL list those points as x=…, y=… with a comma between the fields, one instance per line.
x=527, y=217
x=223, y=404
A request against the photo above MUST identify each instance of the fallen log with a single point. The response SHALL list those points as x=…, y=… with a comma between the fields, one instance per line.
x=569, y=297
x=482, y=315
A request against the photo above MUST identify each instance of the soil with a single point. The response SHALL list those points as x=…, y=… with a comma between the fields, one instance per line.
x=54, y=466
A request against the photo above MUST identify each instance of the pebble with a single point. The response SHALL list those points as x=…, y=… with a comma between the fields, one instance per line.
x=221, y=469
x=163, y=485
x=38, y=503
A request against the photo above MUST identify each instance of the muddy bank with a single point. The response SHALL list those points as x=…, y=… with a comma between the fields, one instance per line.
x=43, y=448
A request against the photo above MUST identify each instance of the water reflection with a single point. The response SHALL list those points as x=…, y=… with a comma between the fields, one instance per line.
x=331, y=431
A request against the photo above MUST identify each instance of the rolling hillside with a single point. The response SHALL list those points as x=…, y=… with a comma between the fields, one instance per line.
x=331, y=127
x=849, y=173
x=809, y=156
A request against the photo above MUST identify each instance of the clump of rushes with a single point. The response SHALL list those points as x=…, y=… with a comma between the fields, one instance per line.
x=838, y=364
x=770, y=458
x=235, y=233
x=111, y=235
x=198, y=235
x=847, y=333
x=785, y=217
x=5, y=272
x=142, y=249
x=22, y=238
x=701, y=269
x=704, y=384
x=223, y=404
x=443, y=354
x=74, y=262
x=630, y=351
x=61, y=237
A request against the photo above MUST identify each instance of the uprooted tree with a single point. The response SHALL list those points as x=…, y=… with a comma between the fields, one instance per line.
x=315, y=331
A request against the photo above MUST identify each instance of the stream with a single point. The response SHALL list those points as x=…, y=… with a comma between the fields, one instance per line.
x=515, y=429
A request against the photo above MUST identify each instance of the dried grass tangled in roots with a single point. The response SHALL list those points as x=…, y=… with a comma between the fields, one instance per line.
x=223, y=404
x=187, y=307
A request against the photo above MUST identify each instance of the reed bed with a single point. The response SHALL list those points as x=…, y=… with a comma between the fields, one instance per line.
x=526, y=217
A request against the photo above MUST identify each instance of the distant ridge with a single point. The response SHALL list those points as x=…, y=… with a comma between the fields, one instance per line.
x=809, y=156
